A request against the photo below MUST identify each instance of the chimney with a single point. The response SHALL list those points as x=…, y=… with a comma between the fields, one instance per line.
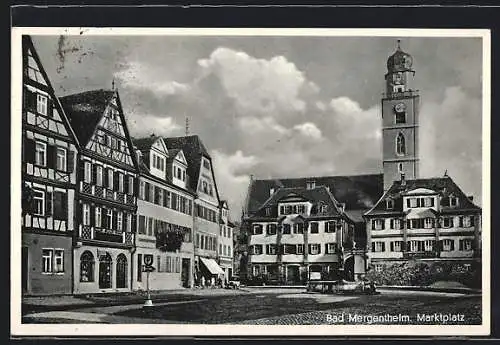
x=471, y=198
x=403, y=180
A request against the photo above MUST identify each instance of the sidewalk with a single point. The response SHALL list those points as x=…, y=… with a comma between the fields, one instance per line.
x=67, y=302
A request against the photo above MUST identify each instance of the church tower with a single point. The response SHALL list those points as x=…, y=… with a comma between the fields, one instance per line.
x=400, y=120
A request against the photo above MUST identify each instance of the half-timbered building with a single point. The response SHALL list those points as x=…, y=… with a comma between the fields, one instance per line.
x=106, y=198
x=49, y=151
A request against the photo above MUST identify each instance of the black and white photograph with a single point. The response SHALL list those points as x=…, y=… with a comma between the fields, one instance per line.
x=250, y=181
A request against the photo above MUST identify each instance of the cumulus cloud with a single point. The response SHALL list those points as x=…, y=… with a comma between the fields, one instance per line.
x=444, y=127
x=259, y=85
x=309, y=130
x=139, y=76
x=232, y=173
x=141, y=125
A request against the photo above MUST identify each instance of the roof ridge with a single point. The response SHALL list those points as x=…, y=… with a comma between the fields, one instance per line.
x=315, y=177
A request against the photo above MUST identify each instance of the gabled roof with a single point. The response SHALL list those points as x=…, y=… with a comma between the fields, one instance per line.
x=315, y=195
x=444, y=186
x=193, y=149
x=144, y=144
x=357, y=192
x=85, y=110
x=28, y=45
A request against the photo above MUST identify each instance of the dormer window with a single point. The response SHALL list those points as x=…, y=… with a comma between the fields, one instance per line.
x=389, y=203
x=324, y=208
x=268, y=211
x=310, y=184
x=453, y=201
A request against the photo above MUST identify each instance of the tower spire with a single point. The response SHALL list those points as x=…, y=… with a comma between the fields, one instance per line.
x=113, y=84
x=399, y=45
x=187, y=126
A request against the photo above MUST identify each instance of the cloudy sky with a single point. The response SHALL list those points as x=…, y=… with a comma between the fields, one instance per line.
x=282, y=106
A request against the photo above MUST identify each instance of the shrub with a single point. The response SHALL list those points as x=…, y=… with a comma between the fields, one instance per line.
x=425, y=274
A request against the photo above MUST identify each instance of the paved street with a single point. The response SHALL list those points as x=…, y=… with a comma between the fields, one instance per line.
x=277, y=306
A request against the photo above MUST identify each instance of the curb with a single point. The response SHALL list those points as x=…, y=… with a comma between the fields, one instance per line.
x=427, y=288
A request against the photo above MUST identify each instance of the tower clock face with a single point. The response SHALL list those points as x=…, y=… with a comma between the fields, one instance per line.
x=400, y=108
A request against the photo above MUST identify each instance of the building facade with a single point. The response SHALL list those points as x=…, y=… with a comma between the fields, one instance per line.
x=106, y=193
x=206, y=206
x=165, y=217
x=225, y=241
x=49, y=151
x=428, y=219
x=298, y=228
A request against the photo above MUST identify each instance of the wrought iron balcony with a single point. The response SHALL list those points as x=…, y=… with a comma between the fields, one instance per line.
x=86, y=232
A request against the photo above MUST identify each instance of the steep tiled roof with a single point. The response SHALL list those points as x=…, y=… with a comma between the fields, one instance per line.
x=144, y=144
x=356, y=192
x=193, y=150
x=84, y=111
x=314, y=195
x=445, y=186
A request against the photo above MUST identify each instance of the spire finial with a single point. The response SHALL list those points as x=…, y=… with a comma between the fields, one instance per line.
x=113, y=84
x=399, y=44
x=187, y=126
x=446, y=173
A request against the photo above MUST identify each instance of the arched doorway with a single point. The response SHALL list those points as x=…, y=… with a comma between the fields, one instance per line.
x=105, y=262
x=349, y=268
x=121, y=271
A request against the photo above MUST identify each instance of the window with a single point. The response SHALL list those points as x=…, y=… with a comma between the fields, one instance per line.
x=330, y=226
x=415, y=246
x=448, y=245
x=257, y=249
x=378, y=224
x=447, y=222
x=400, y=168
x=58, y=261
x=110, y=179
x=41, y=104
x=87, y=267
x=400, y=117
x=47, y=260
x=98, y=217
x=87, y=172
x=396, y=246
x=378, y=267
x=109, y=219
x=99, y=171
x=206, y=164
x=331, y=248
x=324, y=208
x=299, y=249
x=301, y=209
x=121, y=181
x=86, y=214
x=429, y=245
x=41, y=153
x=256, y=270
x=314, y=227
x=465, y=244
x=142, y=190
x=39, y=202
x=271, y=249
x=270, y=229
x=428, y=202
x=268, y=211
x=298, y=228
x=389, y=203
x=130, y=185
x=286, y=228
x=400, y=144
x=119, y=221
x=428, y=223
x=468, y=221
x=257, y=229
x=61, y=159
x=378, y=246
x=396, y=224
x=129, y=222
x=453, y=201
x=314, y=248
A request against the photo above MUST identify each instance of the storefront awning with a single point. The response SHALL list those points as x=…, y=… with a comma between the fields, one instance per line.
x=212, y=266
